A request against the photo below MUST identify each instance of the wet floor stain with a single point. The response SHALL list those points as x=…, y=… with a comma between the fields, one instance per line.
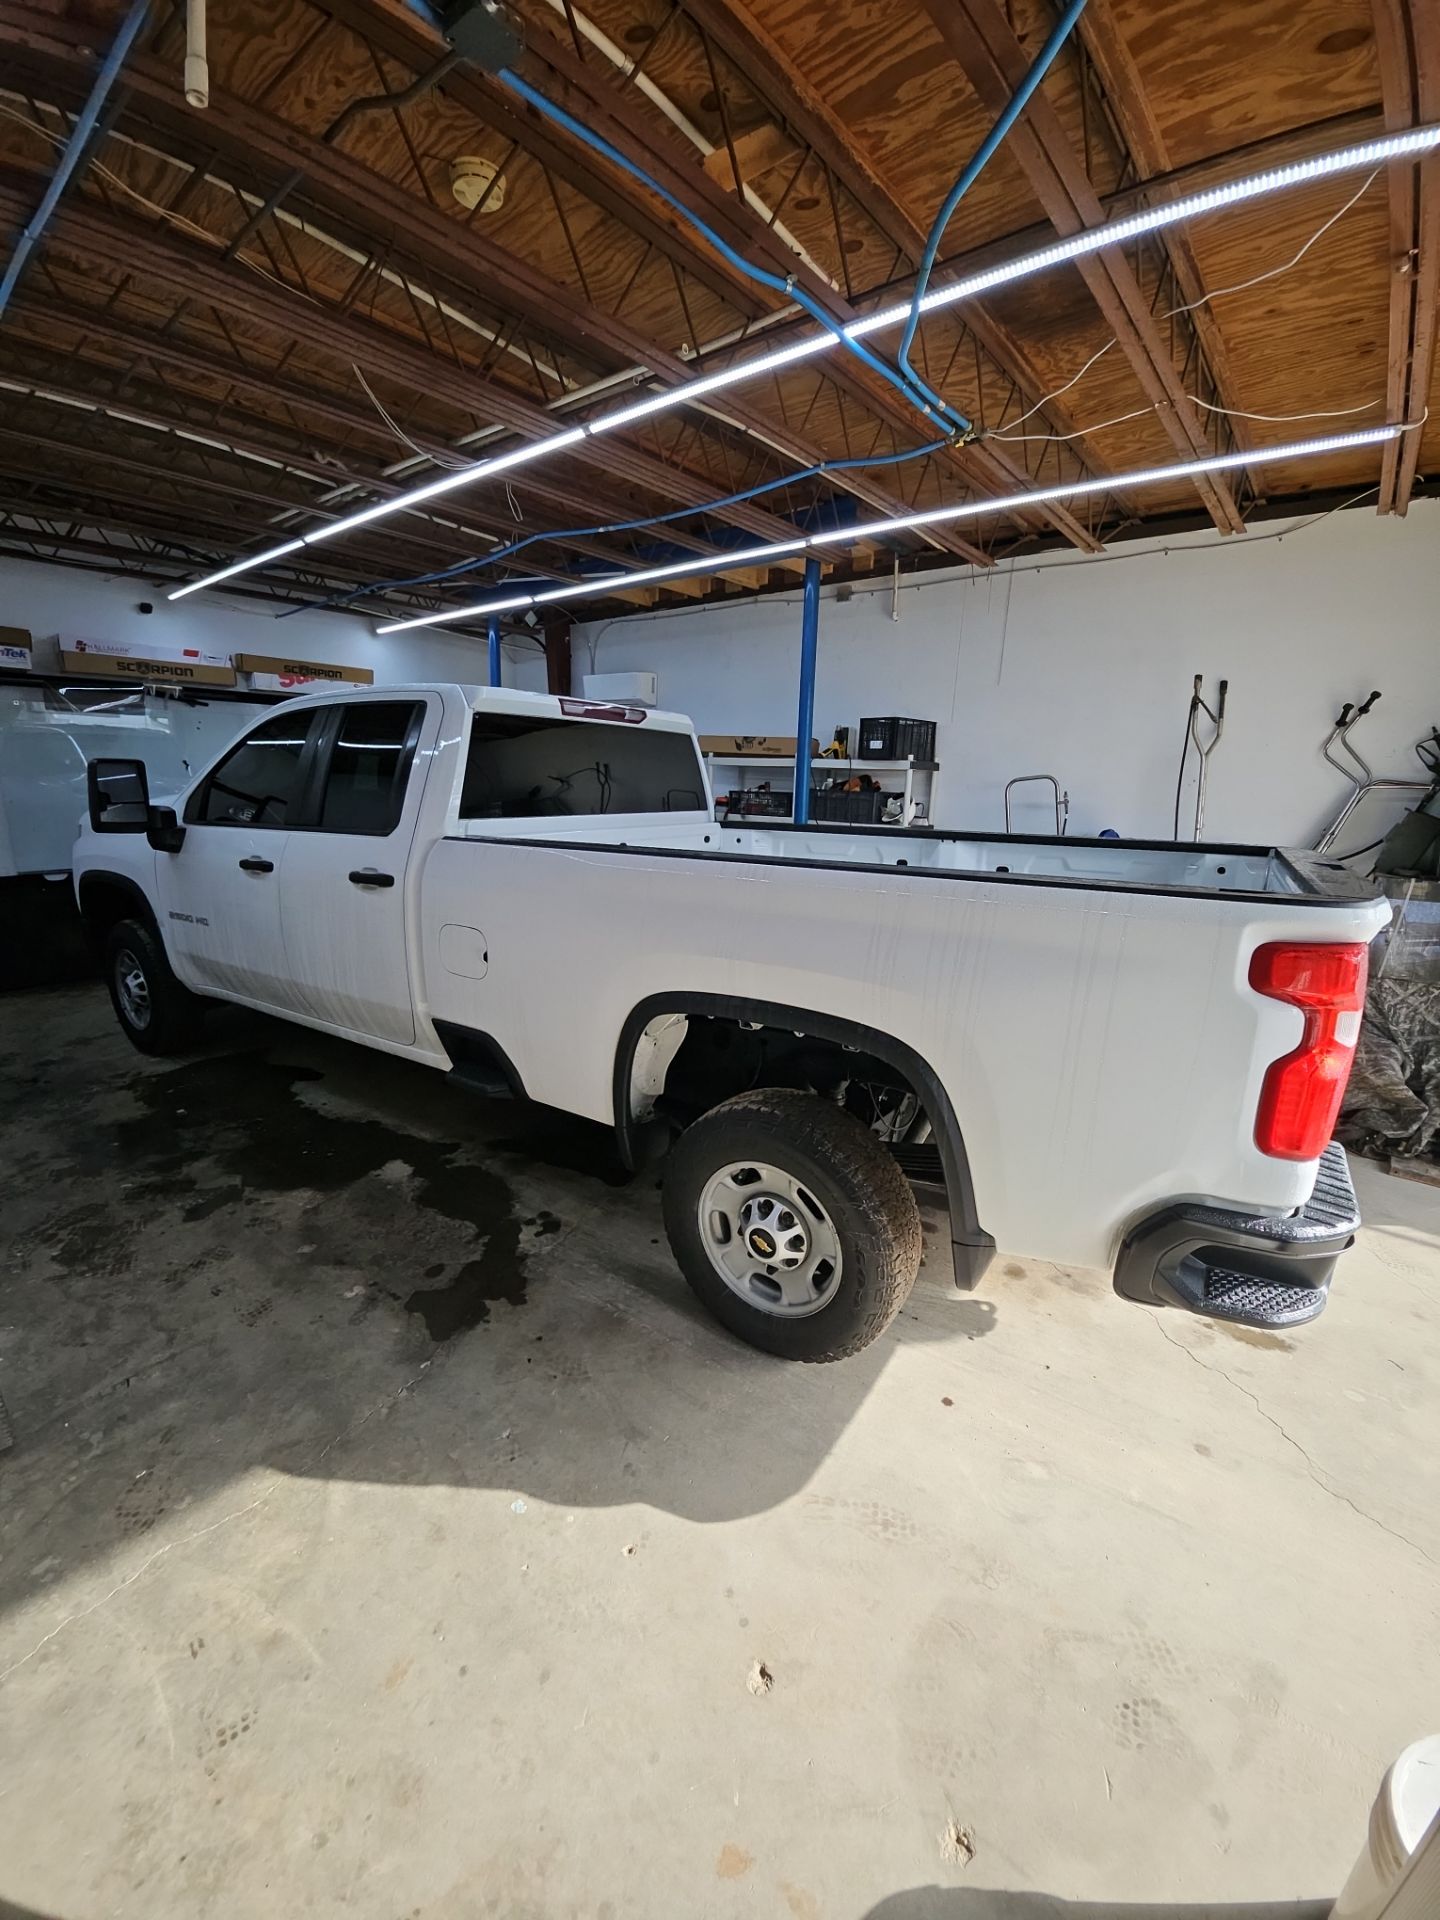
x=244, y=1116
x=1255, y=1337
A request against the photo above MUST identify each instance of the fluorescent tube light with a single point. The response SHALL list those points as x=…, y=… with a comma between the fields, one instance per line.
x=876, y=529
x=240, y=566
x=1111, y=483
x=1153, y=219
x=605, y=583
x=464, y=477
x=430, y=619
x=1370, y=153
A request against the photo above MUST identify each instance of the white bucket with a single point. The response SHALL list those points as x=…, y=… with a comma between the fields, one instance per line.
x=1407, y=1802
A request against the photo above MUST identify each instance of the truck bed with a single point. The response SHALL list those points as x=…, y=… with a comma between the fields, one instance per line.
x=1251, y=872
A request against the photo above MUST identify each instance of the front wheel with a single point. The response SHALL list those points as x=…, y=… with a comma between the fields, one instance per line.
x=792, y=1224
x=155, y=1012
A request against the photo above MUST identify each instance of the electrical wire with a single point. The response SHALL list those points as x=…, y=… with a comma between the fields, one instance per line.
x=439, y=455
x=1325, y=413
x=984, y=152
x=1073, y=381
x=1080, y=433
x=1271, y=273
x=1240, y=286
x=787, y=285
x=1234, y=413
x=103, y=172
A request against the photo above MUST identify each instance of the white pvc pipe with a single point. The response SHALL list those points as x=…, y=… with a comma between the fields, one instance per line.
x=197, y=67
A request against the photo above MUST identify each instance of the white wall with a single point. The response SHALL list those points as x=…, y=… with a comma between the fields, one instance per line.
x=49, y=599
x=1083, y=668
x=1065, y=665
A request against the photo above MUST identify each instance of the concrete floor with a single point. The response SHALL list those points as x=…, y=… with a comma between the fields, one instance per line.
x=389, y=1535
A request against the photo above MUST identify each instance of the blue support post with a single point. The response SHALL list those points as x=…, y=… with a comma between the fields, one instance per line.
x=74, y=147
x=805, y=716
x=492, y=635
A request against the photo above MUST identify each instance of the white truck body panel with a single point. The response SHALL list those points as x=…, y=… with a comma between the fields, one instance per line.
x=1085, y=1006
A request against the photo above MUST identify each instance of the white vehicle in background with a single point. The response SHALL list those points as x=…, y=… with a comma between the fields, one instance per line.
x=1112, y=1053
x=51, y=726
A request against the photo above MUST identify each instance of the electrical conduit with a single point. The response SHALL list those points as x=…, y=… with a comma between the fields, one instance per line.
x=1043, y=61
x=75, y=147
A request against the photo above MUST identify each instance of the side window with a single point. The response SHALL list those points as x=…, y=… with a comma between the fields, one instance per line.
x=258, y=782
x=369, y=767
x=524, y=767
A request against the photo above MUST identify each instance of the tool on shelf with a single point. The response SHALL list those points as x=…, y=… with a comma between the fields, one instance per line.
x=1216, y=716
x=1062, y=800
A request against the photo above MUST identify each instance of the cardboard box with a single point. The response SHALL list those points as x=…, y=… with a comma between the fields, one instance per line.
x=16, y=649
x=73, y=644
x=753, y=745
x=100, y=666
x=276, y=667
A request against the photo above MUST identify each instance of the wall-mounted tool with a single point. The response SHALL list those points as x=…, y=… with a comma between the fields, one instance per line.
x=1362, y=781
x=1062, y=800
x=1216, y=716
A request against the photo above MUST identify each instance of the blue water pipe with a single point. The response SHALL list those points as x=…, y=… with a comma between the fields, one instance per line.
x=492, y=638
x=74, y=148
x=1043, y=60
x=912, y=389
x=805, y=712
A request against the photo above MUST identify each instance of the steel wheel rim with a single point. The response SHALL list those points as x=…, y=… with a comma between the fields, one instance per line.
x=770, y=1239
x=133, y=989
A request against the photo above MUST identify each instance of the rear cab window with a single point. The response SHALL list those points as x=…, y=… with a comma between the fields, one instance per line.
x=546, y=766
x=369, y=766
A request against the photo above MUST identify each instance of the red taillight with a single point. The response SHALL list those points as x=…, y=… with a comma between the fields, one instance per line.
x=1300, y=1099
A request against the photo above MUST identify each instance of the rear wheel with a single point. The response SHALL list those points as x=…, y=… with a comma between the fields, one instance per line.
x=792, y=1223
x=155, y=1012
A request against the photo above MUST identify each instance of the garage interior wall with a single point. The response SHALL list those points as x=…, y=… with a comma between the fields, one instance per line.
x=1073, y=667
x=1084, y=668
x=51, y=599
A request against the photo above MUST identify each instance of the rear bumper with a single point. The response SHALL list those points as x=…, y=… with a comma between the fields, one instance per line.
x=1255, y=1269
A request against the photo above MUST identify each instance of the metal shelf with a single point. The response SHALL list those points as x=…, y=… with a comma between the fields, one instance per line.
x=855, y=766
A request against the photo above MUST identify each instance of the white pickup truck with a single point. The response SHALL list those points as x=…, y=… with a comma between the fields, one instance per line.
x=1126, y=1054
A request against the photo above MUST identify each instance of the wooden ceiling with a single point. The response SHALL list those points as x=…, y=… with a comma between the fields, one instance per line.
x=244, y=320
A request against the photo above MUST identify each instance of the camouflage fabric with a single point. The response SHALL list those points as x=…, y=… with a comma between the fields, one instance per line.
x=1392, y=1104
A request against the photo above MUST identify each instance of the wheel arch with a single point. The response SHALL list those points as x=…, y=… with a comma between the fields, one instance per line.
x=972, y=1245
x=104, y=898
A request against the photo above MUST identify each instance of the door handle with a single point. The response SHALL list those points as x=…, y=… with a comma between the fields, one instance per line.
x=254, y=864
x=368, y=877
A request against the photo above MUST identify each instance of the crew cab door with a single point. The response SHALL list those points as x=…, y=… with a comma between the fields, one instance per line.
x=343, y=892
x=220, y=893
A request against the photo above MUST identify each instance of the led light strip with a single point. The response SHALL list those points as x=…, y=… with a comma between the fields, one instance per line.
x=876, y=529
x=1152, y=219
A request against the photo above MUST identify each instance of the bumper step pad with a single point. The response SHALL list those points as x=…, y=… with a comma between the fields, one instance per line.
x=1258, y=1303
x=1255, y=1270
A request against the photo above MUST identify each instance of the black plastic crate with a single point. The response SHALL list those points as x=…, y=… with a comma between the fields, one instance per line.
x=895, y=738
x=852, y=809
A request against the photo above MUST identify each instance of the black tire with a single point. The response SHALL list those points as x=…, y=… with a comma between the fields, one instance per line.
x=155, y=1012
x=851, y=1178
